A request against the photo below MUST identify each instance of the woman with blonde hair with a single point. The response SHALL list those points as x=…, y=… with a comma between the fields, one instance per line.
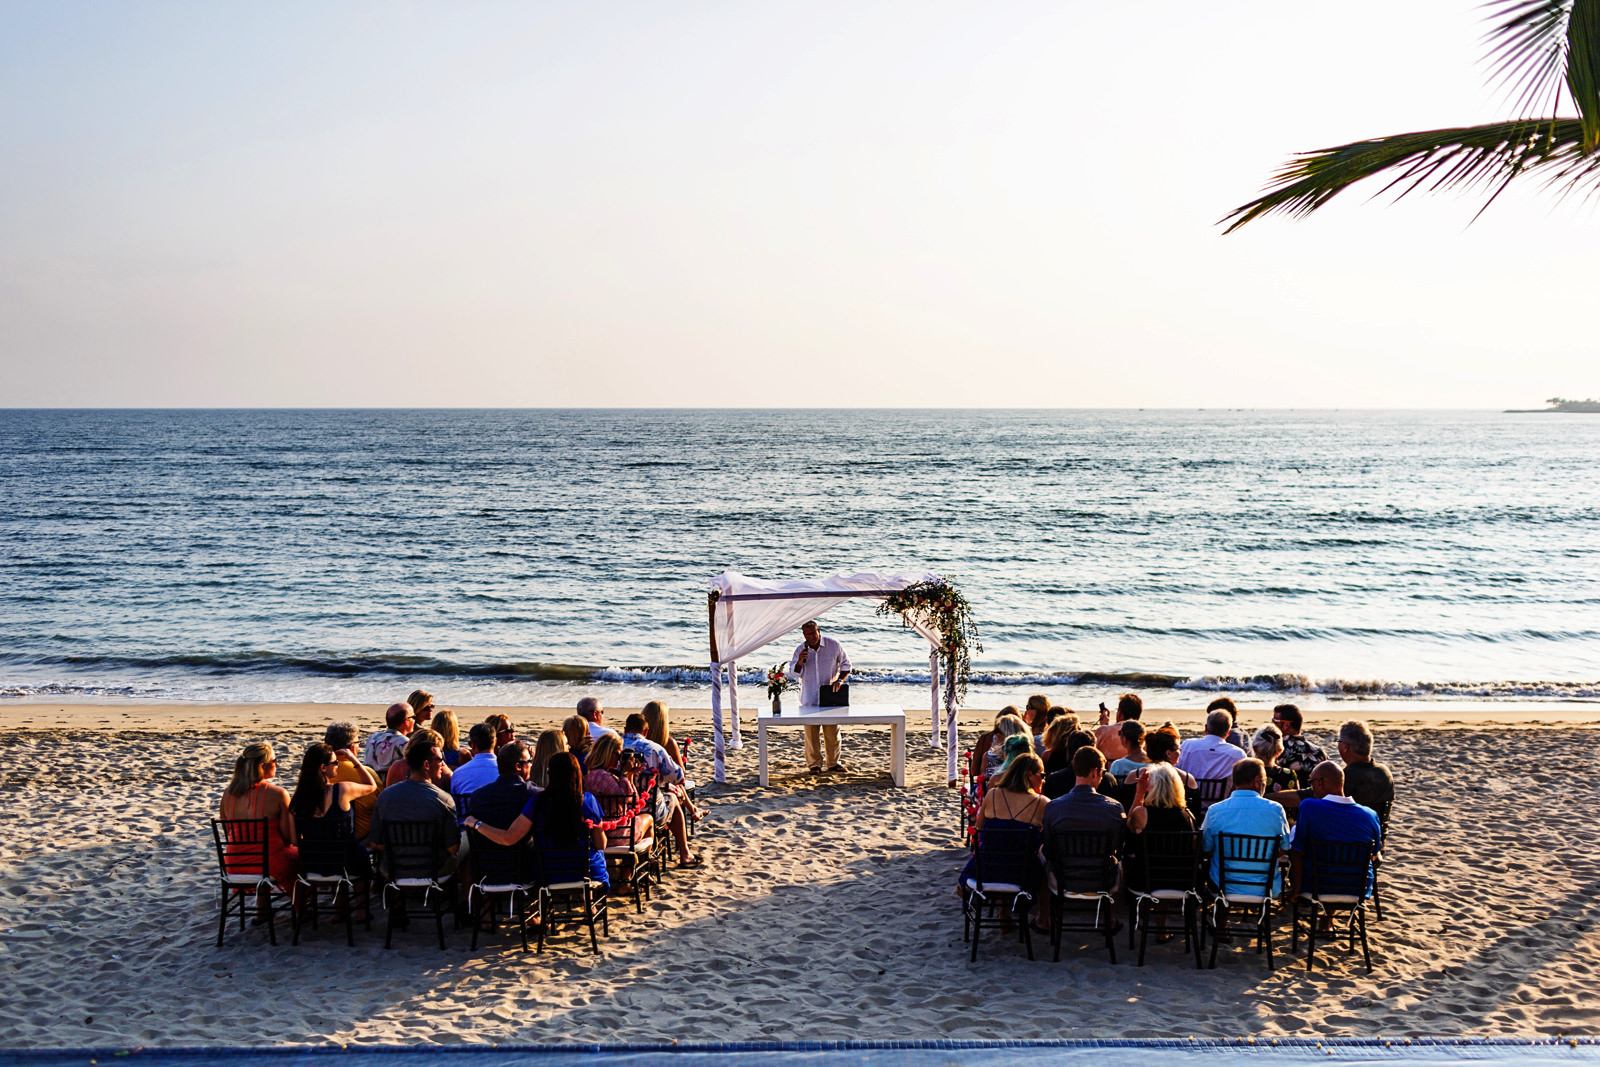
x=549, y=743
x=1056, y=756
x=1159, y=803
x=576, y=727
x=252, y=794
x=449, y=730
x=658, y=725
x=1267, y=746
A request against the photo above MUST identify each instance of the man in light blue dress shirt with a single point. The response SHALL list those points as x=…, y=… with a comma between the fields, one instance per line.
x=1246, y=811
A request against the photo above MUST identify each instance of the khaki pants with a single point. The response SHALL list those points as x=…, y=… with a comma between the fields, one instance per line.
x=830, y=740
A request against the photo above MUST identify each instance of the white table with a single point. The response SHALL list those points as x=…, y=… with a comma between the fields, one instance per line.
x=858, y=715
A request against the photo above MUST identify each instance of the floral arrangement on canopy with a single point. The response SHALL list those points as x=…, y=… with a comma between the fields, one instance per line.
x=940, y=607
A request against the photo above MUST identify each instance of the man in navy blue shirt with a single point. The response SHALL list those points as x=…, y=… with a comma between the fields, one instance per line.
x=1329, y=815
x=502, y=800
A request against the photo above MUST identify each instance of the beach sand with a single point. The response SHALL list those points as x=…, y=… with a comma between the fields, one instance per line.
x=826, y=910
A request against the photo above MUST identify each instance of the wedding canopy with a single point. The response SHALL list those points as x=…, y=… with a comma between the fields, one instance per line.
x=749, y=613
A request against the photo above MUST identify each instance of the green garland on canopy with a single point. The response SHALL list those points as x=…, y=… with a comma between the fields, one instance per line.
x=940, y=607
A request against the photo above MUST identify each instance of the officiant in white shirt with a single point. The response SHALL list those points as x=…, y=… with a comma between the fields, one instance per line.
x=823, y=669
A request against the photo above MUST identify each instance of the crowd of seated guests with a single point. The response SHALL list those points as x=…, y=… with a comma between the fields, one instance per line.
x=1288, y=780
x=406, y=772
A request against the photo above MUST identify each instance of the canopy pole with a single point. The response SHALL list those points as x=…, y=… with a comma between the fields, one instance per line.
x=950, y=725
x=719, y=768
x=933, y=680
x=734, y=744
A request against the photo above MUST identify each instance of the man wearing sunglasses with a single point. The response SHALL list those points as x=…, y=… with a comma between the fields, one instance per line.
x=502, y=800
x=385, y=747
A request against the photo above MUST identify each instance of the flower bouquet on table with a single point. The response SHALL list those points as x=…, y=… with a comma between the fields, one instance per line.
x=778, y=683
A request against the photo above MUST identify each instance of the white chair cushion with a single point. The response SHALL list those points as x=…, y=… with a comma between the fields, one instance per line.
x=1334, y=898
x=508, y=888
x=416, y=883
x=245, y=879
x=995, y=887
x=572, y=886
x=1237, y=899
x=1164, y=894
x=323, y=879
x=628, y=850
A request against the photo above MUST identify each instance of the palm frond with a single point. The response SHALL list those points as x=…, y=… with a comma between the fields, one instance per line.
x=1465, y=157
x=1583, y=67
x=1527, y=46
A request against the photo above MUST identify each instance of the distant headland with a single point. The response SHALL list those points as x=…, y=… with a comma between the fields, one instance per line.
x=1560, y=405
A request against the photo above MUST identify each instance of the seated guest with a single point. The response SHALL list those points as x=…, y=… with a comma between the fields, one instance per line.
x=980, y=750
x=421, y=702
x=1236, y=736
x=1083, y=809
x=1016, y=745
x=1059, y=783
x=1211, y=756
x=559, y=818
x=1108, y=736
x=1268, y=746
x=449, y=730
x=1367, y=783
x=604, y=778
x=386, y=746
x=1006, y=726
x=1056, y=757
x=319, y=796
x=341, y=737
x=576, y=729
x=502, y=800
x=1036, y=713
x=1159, y=803
x=669, y=812
x=1245, y=811
x=400, y=771
x=593, y=715
x=1012, y=801
x=1162, y=746
x=252, y=794
x=658, y=728
x=504, y=732
x=1300, y=753
x=1329, y=815
x=1131, y=734
x=1015, y=794
x=418, y=799
x=549, y=743
x=478, y=771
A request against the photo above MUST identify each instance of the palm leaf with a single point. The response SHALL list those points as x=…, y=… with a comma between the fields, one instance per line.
x=1583, y=67
x=1466, y=157
x=1526, y=48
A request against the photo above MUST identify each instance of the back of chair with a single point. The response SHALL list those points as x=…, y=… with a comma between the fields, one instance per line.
x=1167, y=860
x=560, y=866
x=614, y=806
x=324, y=846
x=413, y=849
x=1208, y=791
x=1123, y=793
x=1342, y=868
x=1004, y=854
x=496, y=864
x=241, y=845
x=1246, y=864
x=1082, y=861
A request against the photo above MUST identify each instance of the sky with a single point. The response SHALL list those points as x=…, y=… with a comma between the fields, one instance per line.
x=871, y=203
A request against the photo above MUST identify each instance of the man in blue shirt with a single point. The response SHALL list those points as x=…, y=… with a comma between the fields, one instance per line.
x=502, y=800
x=477, y=772
x=1246, y=811
x=1329, y=815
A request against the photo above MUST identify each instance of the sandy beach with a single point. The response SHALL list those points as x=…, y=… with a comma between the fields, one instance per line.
x=825, y=911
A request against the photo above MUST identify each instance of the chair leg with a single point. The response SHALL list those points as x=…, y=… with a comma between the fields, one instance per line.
x=1366, y=950
x=388, y=913
x=1266, y=930
x=1027, y=931
x=1312, y=917
x=272, y=924
x=1133, y=909
x=438, y=919
x=1216, y=934
x=294, y=911
x=1141, y=920
x=222, y=915
x=476, y=917
x=1111, y=929
x=1192, y=928
x=1057, y=920
x=977, y=928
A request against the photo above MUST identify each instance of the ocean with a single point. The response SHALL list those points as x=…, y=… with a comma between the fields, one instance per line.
x=531, y=556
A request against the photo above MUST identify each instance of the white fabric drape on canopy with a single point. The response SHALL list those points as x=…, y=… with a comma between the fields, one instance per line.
x=749, y=613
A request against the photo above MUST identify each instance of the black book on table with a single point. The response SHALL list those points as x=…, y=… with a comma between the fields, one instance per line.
x=827, y=698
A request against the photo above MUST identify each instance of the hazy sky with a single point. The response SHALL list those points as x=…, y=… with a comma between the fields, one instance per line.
x=750, y=203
